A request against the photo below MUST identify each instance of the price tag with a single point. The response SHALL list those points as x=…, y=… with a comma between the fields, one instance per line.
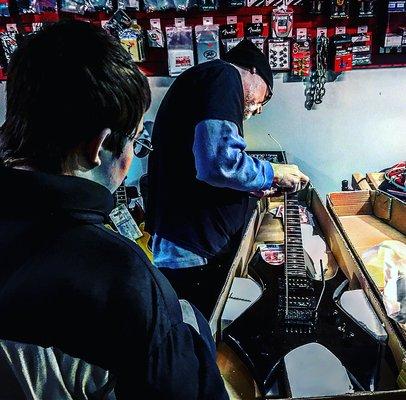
x=362, y=29
x=256, y=19
x=179, y=22
x=340, y=30
x=11, y=27
x=321, y=32
x=231, y=20
x=207, y=21
x=301, y=33
x=155, y=23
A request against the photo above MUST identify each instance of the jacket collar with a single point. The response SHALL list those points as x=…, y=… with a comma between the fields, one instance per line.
x=38, y=193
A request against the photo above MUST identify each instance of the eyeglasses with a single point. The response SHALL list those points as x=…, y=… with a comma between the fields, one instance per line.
x=142, y=147
x=268, y=96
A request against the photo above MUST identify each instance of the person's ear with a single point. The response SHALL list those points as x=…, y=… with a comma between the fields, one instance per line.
x=253, y=70
x=94, y=147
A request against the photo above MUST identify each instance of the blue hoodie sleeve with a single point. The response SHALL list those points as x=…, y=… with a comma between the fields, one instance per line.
x=221, y=161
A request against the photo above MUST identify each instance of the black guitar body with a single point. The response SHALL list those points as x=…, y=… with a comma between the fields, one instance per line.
x=263, y=335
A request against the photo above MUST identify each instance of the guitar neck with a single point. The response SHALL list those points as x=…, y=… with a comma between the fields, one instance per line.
x=294, y=255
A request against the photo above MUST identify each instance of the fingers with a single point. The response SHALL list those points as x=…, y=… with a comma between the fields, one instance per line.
x=289, y=178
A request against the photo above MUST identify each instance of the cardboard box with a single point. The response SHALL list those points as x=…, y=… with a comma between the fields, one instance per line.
x=367, y=218
x=264, y=228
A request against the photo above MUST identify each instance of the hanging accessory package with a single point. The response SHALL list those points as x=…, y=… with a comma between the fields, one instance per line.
x=8, y=43
x=207, y=42
x=155, y=35
x=208, y=5
x=180, y=47
x=128, y=5
x=301, y=54
x=132, y=39
x=257, y=32
x=232, y=33
x=4, y=10
x=282, y=22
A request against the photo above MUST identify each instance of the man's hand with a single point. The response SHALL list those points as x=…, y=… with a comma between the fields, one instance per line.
x=288, y=178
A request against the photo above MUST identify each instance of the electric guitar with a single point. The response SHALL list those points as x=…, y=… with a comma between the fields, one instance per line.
x=295, y=310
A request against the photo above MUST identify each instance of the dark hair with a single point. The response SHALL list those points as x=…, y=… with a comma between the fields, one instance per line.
x=65, y=85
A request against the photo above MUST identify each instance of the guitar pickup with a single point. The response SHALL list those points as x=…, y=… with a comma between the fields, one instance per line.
x=305, y=302
x=296, y=284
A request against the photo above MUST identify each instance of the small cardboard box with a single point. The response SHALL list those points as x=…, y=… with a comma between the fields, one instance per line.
x=262, y=227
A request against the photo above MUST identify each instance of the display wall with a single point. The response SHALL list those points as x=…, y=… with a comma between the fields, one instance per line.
x=360, y=126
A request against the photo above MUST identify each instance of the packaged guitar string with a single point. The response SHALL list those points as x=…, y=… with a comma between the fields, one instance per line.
x=207, y=42
x=180, y=49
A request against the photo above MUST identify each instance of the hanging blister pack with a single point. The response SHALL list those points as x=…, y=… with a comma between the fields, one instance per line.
x=128, y=5
x=158, y=5
x=4, y=10
x=36, y=6
x=8, y=43
x=207, y=42
x=101, y=5
x=279, y=54
x=316, y=7
x=301, y=54
x=185, y=5
x=366, y=8
x=155, y=35
x=119, y=22
x=257, y=32
x=341, y=52
x=362, y=48
x=74, y=6
x=132, y=39
x=282, y=22
x=339, y=8
x=208, y=5
x=46, y=6
x=231, y=35
x=180, y=49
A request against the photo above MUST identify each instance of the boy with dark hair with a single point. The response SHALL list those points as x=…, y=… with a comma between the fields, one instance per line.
x=84, y=315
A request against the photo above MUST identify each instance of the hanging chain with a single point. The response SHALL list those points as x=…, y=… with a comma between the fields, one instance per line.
x=316, y=91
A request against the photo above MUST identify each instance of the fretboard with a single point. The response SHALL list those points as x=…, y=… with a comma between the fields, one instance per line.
x=294, y=262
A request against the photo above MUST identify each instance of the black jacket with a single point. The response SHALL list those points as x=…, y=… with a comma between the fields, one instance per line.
x=68, y=282
x=194, y=215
